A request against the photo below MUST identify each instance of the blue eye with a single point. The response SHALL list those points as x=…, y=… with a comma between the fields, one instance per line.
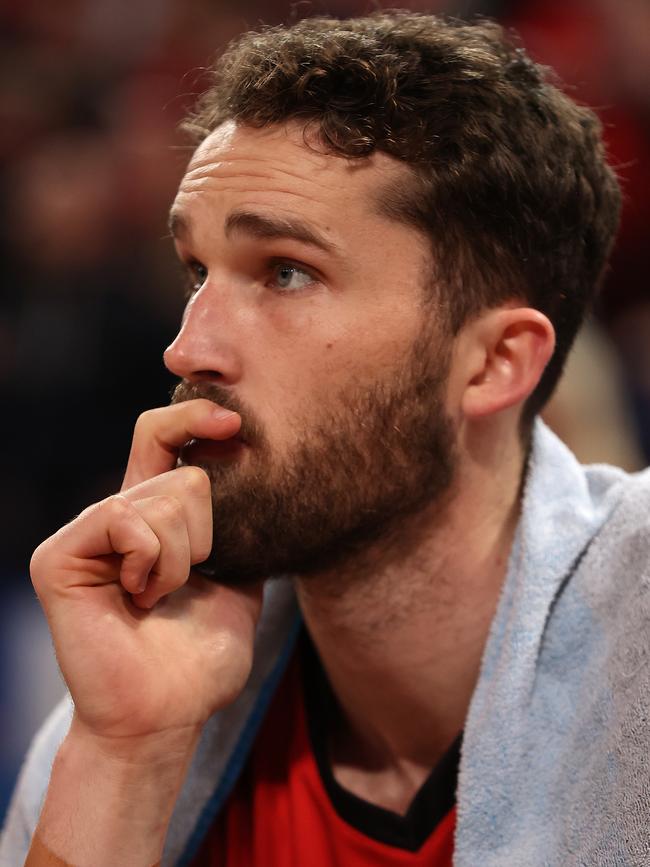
x=291, y=278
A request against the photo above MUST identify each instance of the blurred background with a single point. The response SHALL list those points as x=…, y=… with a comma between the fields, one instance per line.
x=91, y=92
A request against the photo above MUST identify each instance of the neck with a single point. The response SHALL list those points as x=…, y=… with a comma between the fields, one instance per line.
x=401, y=634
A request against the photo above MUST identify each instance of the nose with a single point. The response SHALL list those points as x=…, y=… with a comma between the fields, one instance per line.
x=204, y=348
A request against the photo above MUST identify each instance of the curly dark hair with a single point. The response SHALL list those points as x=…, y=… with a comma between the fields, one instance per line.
x=509, y=177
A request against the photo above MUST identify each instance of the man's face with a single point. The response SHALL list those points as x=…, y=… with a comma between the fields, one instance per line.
x=307, y=316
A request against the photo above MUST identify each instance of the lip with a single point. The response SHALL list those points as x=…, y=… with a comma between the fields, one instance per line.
x=198, y=451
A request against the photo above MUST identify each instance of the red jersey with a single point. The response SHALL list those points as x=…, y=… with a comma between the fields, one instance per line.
x=288, y=811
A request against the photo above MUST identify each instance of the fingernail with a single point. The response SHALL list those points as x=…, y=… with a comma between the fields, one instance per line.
x=222, y=413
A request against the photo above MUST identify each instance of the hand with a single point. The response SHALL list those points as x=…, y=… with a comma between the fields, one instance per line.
x=147, y=646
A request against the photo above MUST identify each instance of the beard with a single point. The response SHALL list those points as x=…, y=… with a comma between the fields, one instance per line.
x=374, y=455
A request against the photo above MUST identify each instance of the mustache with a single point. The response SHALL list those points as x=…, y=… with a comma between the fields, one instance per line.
x=250, y=432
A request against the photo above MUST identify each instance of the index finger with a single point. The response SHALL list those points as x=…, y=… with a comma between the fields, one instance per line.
x=160, y=433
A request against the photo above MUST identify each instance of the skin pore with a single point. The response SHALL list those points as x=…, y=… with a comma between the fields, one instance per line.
x=306, y=300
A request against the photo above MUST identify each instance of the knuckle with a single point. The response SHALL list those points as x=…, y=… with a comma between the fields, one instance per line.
x=195, y=481
x=150, y=548
x=145, y=420
x=201, y=551
x=117, y=507
x=169, y=509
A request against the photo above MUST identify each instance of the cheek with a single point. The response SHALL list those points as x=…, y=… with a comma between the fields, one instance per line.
x=305, y=341
x=307, y=349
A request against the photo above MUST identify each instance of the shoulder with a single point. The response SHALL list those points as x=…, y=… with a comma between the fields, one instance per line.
x=25, y=806
x=614, y=577
x=622, y=543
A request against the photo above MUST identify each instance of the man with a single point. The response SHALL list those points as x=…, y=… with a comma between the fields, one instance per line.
x=392, y=227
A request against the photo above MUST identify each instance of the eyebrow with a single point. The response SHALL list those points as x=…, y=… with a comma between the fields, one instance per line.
x=177, y=224
x=262, y=227
x=270, y=228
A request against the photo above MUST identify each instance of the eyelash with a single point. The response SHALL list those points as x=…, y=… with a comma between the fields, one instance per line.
x=194, y=280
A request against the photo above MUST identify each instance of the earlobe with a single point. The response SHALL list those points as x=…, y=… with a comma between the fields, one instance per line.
x=512, y=348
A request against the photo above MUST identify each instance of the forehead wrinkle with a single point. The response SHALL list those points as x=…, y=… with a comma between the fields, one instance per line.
x=195, y=188
x=227, y=167
x=212, y=172
x=217, y=172
x=223, y=173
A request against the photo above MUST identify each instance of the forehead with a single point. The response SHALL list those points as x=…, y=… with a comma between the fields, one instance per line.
x=279, y=167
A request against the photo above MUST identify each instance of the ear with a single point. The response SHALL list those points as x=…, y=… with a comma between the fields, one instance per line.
x=506, y=352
